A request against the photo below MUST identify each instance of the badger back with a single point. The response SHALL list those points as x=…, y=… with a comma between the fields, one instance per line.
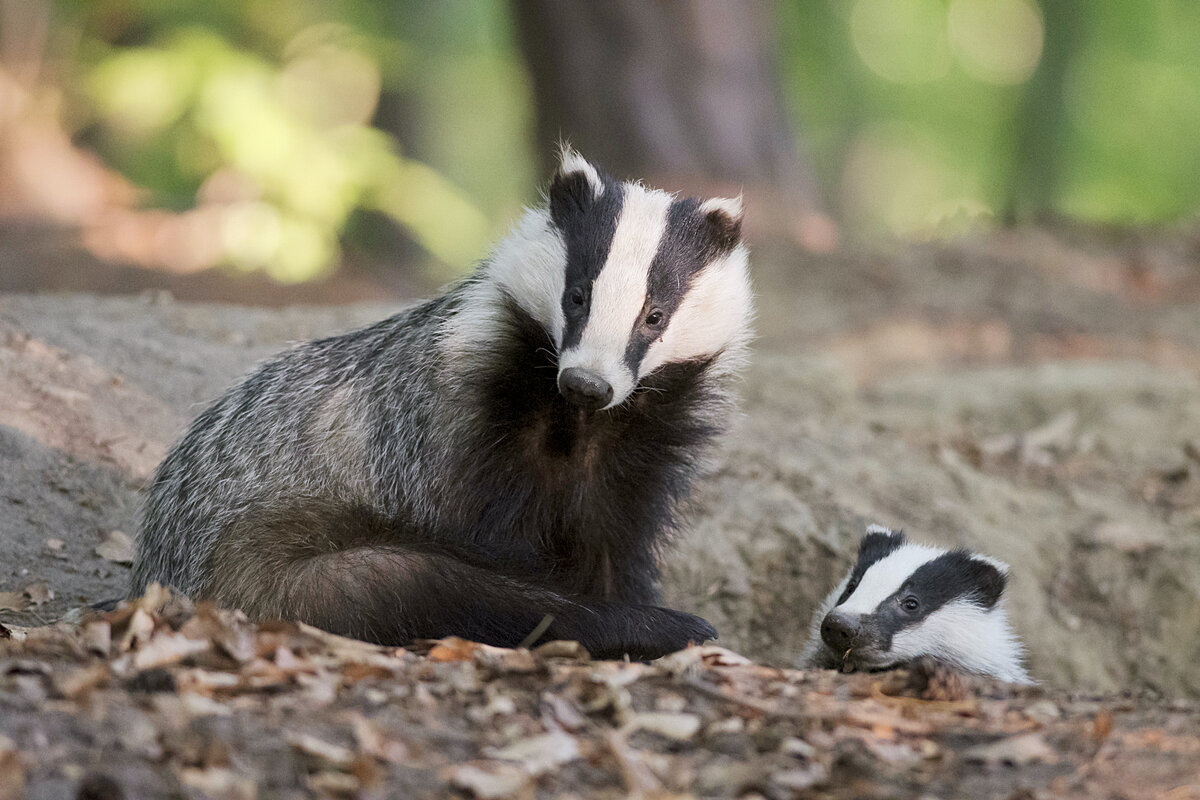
x=625, y=279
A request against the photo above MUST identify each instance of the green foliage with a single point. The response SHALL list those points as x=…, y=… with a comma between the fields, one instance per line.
x=918, y=113
x=286, y=118
x=266, y=110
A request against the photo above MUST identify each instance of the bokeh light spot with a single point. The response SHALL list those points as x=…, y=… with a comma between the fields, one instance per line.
x=327, y=82
x=142, y=91
x=997, y=41
x=903, y=41
x=898, y=179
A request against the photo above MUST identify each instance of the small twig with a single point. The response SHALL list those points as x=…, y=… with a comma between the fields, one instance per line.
x=640, y=781
x=537, y=632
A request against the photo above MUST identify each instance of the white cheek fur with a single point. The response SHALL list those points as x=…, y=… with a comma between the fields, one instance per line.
x=529, y=265
x=968, y=636
x=715, y=313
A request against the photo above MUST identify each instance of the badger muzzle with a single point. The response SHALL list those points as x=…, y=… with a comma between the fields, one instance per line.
x=584, y=388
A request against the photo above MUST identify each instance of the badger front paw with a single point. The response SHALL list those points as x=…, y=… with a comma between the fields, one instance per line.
x=677, y=630
x=648, y=632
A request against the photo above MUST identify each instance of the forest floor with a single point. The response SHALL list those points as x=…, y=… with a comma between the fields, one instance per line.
x=1034, y=395
x=202, y=703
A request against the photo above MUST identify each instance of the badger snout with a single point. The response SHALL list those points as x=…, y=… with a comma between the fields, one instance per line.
x=584, y=388
x=839, y=630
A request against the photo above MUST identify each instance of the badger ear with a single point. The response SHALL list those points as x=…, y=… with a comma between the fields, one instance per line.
x=576, y=184
x=990, y=580
x=878, y=542
x=723, y=221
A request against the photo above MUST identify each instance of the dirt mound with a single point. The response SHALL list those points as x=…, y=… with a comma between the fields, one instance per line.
x=1034, y=397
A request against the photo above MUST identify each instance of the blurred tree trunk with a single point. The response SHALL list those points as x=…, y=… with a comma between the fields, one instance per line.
x=1034, y=181
x=684, y=93
x=24, y=25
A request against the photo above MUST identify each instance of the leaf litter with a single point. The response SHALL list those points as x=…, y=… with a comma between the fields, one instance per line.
x=160, y=697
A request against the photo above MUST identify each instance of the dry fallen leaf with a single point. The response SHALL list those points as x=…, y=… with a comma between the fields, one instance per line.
x=39, y=593
x=799, y=779
x=1102, y=725
x=219, y=783
x=1016, y=751
x=679, y=726
x=12, y=771
x=140, y=626
x=325, y=752
x=80, y=681
x=337, y=784
x=488, y=780
x=453, y=649
x=560, y=648
x=97, y=637
x=166, y=649
x=13, y=601
x=564, y=711
x=117, y=547
x=538, y=755
x=639, y=778
x=373, y=742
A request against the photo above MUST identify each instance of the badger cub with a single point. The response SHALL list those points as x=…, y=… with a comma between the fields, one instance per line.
x=901, y=602
x=514, y=450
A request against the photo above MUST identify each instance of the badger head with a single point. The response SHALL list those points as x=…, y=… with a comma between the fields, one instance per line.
x=626, y=279
x=901, y=601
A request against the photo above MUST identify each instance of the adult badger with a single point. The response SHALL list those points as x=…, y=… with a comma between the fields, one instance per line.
x=514, y=450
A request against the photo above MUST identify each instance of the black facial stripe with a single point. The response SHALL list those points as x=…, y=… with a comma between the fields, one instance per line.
x=955, y=575
x=873, y=547
x=587, y=226
x=682, y=254
x=951, y=576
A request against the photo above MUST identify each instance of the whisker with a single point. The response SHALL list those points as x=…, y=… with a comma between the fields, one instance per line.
x=548, y=353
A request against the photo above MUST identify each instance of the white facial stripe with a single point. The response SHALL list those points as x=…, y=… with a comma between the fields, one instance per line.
x=528, y=264
x=619, y=292
x=715, y=312
x=885, y=576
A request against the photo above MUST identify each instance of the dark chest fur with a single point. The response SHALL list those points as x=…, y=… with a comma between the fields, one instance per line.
x=581, y=498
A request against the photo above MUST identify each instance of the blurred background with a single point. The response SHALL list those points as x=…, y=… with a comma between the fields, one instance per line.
x=240, y=149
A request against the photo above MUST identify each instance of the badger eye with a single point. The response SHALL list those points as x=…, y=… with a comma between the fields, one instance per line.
x=911, y=603
x=654, y=318
x=851, y=586
x=577, y=295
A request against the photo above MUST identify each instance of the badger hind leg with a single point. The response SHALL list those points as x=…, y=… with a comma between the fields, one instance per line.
x=346, y=571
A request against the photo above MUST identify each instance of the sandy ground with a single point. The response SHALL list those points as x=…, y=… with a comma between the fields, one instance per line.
x=1031, y=395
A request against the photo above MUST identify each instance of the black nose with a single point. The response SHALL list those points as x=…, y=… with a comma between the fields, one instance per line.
x=838, y=630
x=584, y=388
